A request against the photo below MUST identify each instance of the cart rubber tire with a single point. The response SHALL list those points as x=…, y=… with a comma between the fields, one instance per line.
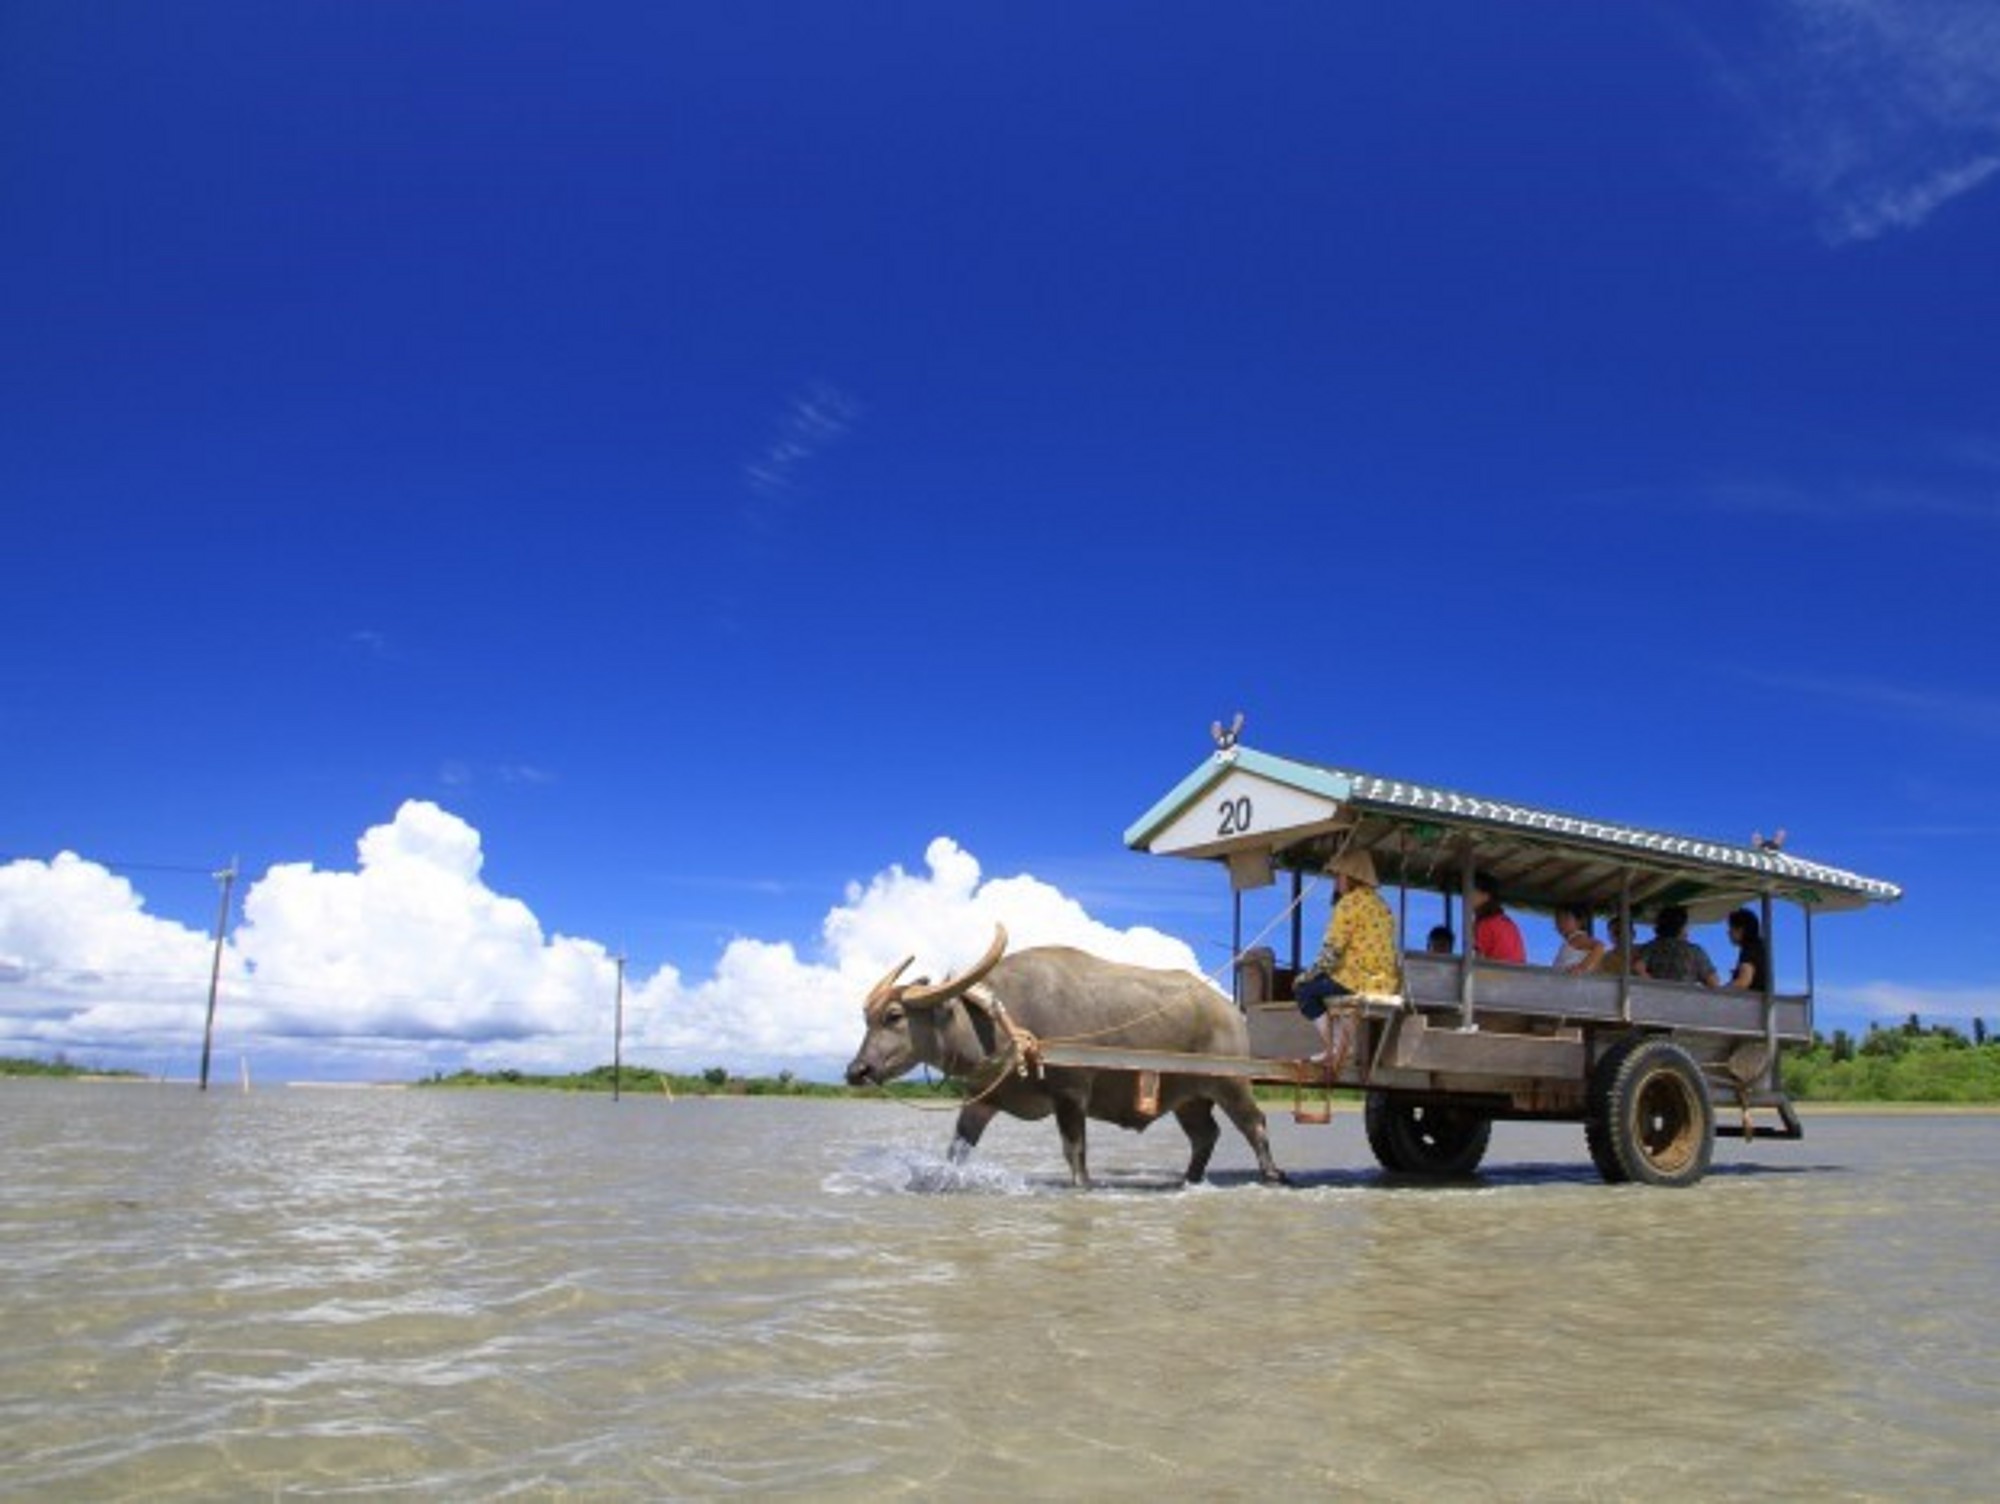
x=1597, y=1134
x=1651, y=1120
x=1425, y=1138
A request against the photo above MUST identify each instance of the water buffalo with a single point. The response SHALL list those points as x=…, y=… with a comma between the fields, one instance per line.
x=970, y=1027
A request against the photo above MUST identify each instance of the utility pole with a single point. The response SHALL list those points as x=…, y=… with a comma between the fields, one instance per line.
x=227, y=878
x=618, y=1031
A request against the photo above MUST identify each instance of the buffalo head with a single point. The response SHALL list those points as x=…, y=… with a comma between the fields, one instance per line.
x=903, y=1018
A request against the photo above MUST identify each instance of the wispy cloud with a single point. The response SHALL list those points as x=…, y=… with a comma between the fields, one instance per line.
x=1939, y=831
x=459, y=774
x=1890, y=206
x=1973, y=502
x=1880, y=111
x=1978, y=452
x=1951, y=710
x=1950, y=477
x=762, y=887
x=812, y=420
x=1894, y=1000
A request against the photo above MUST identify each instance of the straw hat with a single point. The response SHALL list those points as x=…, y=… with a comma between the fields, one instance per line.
x=1356, y=864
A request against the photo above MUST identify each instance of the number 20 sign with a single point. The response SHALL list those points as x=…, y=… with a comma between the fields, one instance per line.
x=1234, y=816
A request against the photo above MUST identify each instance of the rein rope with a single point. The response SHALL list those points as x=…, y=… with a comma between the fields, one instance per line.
x=1215, y=973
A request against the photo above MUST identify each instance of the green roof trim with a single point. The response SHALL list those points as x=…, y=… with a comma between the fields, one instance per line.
x=1310, y=777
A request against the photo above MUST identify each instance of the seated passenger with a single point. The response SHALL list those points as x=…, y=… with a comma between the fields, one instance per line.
x=1753, y=961
x=1358, y=954
x=1581, y=950
x=1669, y=956
x=1441, y=942
x=1495, y=937
x=1617, y=955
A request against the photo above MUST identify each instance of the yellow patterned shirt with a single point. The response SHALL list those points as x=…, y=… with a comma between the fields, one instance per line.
x=1359, y=951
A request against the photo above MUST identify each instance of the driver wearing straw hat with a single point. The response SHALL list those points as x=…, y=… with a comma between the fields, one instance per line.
x=1358, y=953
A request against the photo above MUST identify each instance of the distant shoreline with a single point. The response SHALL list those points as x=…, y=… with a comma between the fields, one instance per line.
x=1805, y=1109
x=649, y=1083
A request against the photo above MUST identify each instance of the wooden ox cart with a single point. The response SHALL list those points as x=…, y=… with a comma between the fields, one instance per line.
x=1642, y=1064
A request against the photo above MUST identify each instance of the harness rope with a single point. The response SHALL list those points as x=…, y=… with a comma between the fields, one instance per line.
x=1023, y=1054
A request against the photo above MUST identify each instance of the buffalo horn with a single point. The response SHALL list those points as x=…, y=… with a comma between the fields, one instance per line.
x=888, y=983
x=943, y=992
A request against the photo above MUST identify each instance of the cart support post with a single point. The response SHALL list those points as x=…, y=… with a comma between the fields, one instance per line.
x=1626, y=949
x=1298, y=918
x=1466, y=987
x=1770, y=995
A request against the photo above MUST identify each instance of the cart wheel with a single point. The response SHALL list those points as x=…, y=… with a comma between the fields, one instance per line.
x=1650, y=1117
x=1425, y=1138
x=1597, y=1134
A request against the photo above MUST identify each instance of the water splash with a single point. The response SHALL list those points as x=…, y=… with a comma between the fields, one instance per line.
x=903, y=1170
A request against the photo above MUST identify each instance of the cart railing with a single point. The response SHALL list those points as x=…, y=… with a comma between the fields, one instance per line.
x=1431, y=985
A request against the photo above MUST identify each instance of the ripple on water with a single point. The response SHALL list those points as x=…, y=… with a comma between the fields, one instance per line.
x=483, y=1295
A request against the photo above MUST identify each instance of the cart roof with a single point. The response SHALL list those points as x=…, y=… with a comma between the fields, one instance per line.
x=1244, y=806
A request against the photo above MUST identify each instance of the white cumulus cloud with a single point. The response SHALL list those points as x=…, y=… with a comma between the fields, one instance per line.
x=84, y=966
x=411, y=945
x=410, y=960
x=767, y=1003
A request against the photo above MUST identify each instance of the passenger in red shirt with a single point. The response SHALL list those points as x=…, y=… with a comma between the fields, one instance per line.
x=1495, y=937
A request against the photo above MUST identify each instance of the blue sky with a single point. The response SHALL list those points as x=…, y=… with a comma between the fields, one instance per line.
x=710, y=452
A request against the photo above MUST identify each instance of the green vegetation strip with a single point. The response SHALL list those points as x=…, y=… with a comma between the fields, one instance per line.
x=716, y=1081
x=1911, y=1063
x=59, y=1067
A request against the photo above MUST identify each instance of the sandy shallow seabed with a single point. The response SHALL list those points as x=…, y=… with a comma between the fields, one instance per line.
x=548, y=1295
